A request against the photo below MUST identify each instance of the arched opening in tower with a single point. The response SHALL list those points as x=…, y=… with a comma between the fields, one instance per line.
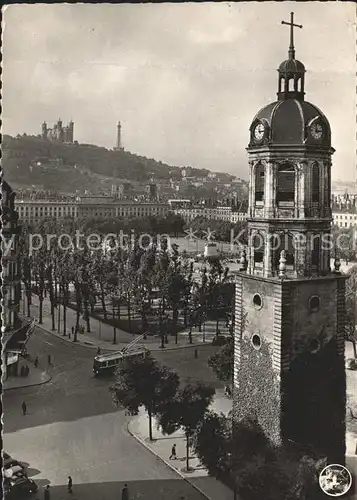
x=285, y=184
x=315, y=184
x=259, y=182
x=258, y=248
x=315, y=252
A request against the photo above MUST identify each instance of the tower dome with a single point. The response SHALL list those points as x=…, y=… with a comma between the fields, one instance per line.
x=291, y=67
x=290, y=122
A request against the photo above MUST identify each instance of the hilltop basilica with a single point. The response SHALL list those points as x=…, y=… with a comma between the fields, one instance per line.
x=58, y=132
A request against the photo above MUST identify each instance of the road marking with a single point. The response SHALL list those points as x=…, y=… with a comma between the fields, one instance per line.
x=49, y=343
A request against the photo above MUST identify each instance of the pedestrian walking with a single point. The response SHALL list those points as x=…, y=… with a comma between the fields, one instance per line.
x=24, y=408
x=98, y=351
x=228, y=391
x=173, y=453
x=125, y=493
x=72, y=330
x=69, y=484
x=36, y=362
x=47, y=493
x=49, y=359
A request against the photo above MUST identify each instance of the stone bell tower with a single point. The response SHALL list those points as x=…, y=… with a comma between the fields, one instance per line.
x=287, y=297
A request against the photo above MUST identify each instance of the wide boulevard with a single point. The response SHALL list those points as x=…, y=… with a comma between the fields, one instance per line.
x=72, y=428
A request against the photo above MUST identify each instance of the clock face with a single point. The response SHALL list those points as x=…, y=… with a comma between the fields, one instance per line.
x=259, y=131
x=317, y=130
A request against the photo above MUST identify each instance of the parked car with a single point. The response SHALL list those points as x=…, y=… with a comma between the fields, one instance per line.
x=19, y=487
x=15, y=470
x=12, y=462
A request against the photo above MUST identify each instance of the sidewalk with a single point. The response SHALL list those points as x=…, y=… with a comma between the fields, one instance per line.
x=101, y=334
x=209, y=486
x=35, y=377
x=351, y=444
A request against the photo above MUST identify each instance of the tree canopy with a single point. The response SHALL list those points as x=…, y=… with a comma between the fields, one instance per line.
x=144, y=382
x=186, y=410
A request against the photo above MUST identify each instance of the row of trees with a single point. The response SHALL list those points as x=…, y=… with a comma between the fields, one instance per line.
x=153, y=282
x=172, y=225
x=221, y=230
x=351, y=308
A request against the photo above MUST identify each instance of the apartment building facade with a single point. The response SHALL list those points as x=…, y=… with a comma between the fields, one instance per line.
x=224, y=213
x=34, y=211
x=345, y=219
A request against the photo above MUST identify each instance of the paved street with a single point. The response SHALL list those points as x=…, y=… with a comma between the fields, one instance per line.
x=73, y=429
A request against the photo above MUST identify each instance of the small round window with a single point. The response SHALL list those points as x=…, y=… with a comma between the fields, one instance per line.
x=314, y=303
x=256, y=341
x=257, y=301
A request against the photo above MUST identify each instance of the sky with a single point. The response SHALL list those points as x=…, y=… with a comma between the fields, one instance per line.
x=185, y=80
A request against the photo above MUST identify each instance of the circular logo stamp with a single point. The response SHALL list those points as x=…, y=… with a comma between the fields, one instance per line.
x=335, y=480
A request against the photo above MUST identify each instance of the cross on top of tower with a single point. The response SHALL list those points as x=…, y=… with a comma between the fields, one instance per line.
x=291, y=24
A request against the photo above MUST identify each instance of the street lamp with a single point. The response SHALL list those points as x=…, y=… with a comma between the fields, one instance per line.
x=162, y=346
x=59, y=314
x=190, y=331
x=204, y=328
x=115, y=330
x=23, y=299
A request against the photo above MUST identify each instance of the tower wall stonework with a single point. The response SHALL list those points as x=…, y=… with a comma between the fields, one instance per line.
x=341, y=317
x=238, y=326
x=295, y=335
x=282, y=323
x=257, y=382
x=285, y=319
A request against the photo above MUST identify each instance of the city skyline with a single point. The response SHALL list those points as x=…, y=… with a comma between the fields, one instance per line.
x=184, y=80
